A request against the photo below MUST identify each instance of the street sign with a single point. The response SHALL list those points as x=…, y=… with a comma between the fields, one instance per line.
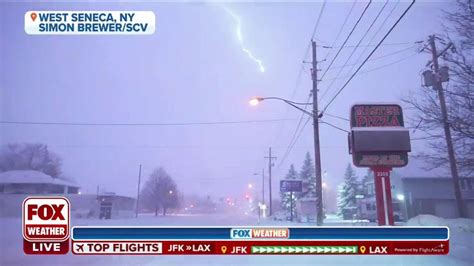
x=376, y=115
x=291, y=185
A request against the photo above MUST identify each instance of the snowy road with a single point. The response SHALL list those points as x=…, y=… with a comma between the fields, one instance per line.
x=12, y=252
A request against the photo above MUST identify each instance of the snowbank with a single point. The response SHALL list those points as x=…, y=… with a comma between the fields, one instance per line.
x=459, y=225
x=461, y=234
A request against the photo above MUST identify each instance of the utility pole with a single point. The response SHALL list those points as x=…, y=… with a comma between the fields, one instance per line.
x=263, y=185
x=138, y=190
x=317, y=150
x=447, y=131
x=270, y=165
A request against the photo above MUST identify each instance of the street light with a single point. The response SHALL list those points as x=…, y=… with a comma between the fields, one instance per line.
x=171, y=192
x=256, y=101
x=401, y=197
x=317, y=151
x=250, y=186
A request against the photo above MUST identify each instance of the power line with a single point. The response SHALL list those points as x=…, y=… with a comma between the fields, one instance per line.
x=379, y=67
x=292, y=144
x=298, y=131
x=340, y=29
x=143, y=124
x=334, y=126
x=336, y=116
x=300, y=72
x=306, y=55
x=317, y=21
x=347, y=38
x=157, y=147
x=370, y=42
x=376, y=58
x=371, y=53
x=367, y=45
x=315, y=28
x=295, y=136
x=355, y=48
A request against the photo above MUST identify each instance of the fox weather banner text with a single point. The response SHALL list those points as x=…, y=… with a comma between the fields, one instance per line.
x=89, y=22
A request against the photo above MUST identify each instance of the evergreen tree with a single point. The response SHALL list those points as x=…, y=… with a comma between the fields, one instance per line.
x=307, y=174
x=286, y=196
x=349, y=190
x=340, y=189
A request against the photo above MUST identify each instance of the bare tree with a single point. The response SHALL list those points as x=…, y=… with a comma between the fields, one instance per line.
x=160, y=192
x=30, y=156
x=459, y=97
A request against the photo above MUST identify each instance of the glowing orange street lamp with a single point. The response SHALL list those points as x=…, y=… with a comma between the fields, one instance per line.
x=254, y=101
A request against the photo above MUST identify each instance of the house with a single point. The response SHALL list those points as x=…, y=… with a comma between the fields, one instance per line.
x=435, y=195
x=16, y=185
x=418, y=189
x=34, y=182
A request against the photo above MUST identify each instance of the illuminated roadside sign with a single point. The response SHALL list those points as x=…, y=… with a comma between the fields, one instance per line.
x=378, y=136
x=376, y=115
x=291, y=186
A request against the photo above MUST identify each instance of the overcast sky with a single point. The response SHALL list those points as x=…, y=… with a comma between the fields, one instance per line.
x=192, y=69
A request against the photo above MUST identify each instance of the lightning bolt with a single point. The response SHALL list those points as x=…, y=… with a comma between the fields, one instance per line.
x=238, y=30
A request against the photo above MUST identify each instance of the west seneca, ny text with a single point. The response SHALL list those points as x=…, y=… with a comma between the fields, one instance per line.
x=89, y=22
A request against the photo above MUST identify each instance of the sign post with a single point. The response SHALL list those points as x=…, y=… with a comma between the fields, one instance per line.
x=378, y=140
x=291, y=186
x=383, y=195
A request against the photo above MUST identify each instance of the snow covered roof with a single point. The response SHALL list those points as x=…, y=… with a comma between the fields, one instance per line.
x=32, y=177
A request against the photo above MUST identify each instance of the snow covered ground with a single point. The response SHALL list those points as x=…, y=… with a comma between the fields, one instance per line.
x=11, y=250
x=461, y=234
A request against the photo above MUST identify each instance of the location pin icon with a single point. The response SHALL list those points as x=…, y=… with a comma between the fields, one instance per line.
x=224, y=249
x=33, y=16
x=362, y=249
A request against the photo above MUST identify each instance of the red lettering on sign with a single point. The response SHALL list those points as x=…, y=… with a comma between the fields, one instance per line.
x=395, y=122
x=377, y=116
